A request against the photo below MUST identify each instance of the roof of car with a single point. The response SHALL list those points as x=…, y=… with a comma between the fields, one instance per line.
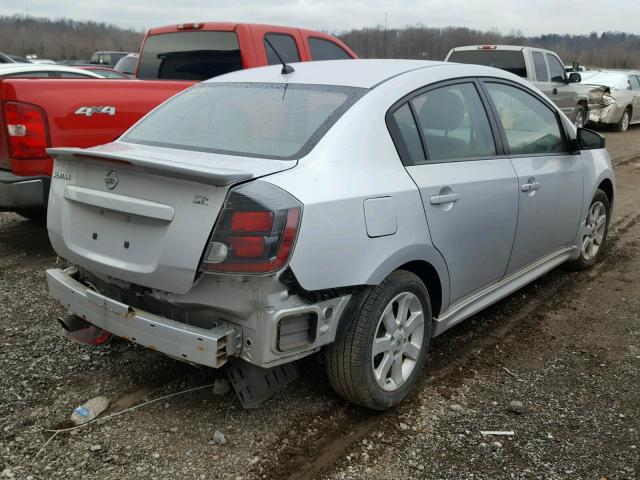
x=498, y=47
x=348, y=73
x=16, y=68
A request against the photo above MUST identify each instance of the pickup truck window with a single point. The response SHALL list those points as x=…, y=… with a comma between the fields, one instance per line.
x=189, y=55
x=541, y=67
x=509, y=60
x=530, y=126
x=265, y=120
x=284, y=44
x=556, y=69
x=325, y=50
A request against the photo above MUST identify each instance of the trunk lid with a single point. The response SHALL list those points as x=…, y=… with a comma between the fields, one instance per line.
x=142, y=214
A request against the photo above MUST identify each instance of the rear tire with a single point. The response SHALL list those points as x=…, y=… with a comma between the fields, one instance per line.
x=625, y=121
x=395, y=319
x=593, y=242
x=580, y=116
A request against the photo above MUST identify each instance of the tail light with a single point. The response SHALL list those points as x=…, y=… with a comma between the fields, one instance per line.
x=27, y=129
x=255, y=232
x=487, y=47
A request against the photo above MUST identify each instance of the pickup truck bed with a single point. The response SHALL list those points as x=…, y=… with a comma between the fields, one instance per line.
x=74, y=113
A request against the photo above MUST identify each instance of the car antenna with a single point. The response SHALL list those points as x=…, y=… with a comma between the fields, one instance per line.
x=285, y=68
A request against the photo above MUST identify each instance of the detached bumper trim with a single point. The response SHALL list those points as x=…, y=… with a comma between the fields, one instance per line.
x=178, y=340
x=22, y=192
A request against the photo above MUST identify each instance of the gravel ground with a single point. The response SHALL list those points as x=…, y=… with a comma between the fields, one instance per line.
x=567, y=348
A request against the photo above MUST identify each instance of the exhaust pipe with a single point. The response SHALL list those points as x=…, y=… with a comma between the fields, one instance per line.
x=80, y=331
x=73, y=323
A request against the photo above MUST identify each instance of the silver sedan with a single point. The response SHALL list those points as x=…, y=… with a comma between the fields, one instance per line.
x=620, y=103
x=353, y=208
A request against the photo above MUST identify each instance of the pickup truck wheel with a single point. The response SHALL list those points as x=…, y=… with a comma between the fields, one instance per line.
x=36, y=215
x=593, y=241
x=378, y=360
x=625, y=120
x=580, y=117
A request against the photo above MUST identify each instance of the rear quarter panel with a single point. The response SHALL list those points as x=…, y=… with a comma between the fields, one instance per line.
x=63, y=100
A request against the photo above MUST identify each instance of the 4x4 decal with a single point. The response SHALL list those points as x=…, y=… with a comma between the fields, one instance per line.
x=89, y=111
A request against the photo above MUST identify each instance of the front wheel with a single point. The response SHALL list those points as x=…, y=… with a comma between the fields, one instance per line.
x=625, y=120
x=580, y=117
x=378, y=359
x=597, y=226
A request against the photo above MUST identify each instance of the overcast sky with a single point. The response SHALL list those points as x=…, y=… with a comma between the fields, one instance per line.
x=532, y=17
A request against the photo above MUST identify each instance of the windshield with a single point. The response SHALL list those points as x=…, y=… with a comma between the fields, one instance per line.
x=608, y=79
x=509, y=60
x=266, y=120
x=189, y=55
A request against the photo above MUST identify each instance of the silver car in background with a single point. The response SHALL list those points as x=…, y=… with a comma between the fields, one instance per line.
x=357, y=208
x=620, y=105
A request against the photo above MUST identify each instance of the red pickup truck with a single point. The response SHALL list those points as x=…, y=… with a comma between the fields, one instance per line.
x=37, y=113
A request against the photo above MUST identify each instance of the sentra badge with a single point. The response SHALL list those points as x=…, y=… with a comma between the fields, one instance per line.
x=61, y=174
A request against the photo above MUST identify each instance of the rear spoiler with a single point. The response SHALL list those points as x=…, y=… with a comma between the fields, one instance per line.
x=219, y=177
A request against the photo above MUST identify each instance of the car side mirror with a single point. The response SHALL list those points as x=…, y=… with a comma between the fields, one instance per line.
x=589, y=140
x=575, y=77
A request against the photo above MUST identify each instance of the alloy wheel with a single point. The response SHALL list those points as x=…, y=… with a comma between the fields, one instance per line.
x=398, y=340
x=596, y=227
x=625, y=121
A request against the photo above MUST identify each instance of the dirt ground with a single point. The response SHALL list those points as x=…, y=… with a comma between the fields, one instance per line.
x=567, y=347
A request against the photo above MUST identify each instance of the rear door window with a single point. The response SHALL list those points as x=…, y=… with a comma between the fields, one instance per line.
x=326, y=50
x=635, y=83
x=454, y=123
x=285, y=46
x=509, y=60
x=189, y=55
x=541, y=67
x=555, y=69
x=531, y=127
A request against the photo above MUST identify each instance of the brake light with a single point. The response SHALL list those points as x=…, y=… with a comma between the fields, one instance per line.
x=190, y=26
x=255, y=232
x=27, y=129
x=487, y=47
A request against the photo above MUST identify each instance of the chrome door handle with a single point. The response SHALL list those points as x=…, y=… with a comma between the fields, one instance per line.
x=440, y=199
x=530, y=187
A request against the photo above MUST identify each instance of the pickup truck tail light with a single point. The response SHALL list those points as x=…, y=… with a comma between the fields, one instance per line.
x=255, y=232
x=27, y=130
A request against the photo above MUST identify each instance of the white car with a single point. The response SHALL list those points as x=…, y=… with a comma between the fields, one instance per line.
x=33, y=70
x=358, y=207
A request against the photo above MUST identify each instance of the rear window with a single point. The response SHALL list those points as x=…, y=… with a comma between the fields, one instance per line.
x=189, y=55
x=509, y=60
x=265, y=120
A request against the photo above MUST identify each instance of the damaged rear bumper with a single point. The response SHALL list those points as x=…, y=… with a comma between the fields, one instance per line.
x=181, y=341
x=255, y=319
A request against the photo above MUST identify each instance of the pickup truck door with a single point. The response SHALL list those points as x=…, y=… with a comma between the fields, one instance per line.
x=469, y=193
x=549, y=177
x=562, y=93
